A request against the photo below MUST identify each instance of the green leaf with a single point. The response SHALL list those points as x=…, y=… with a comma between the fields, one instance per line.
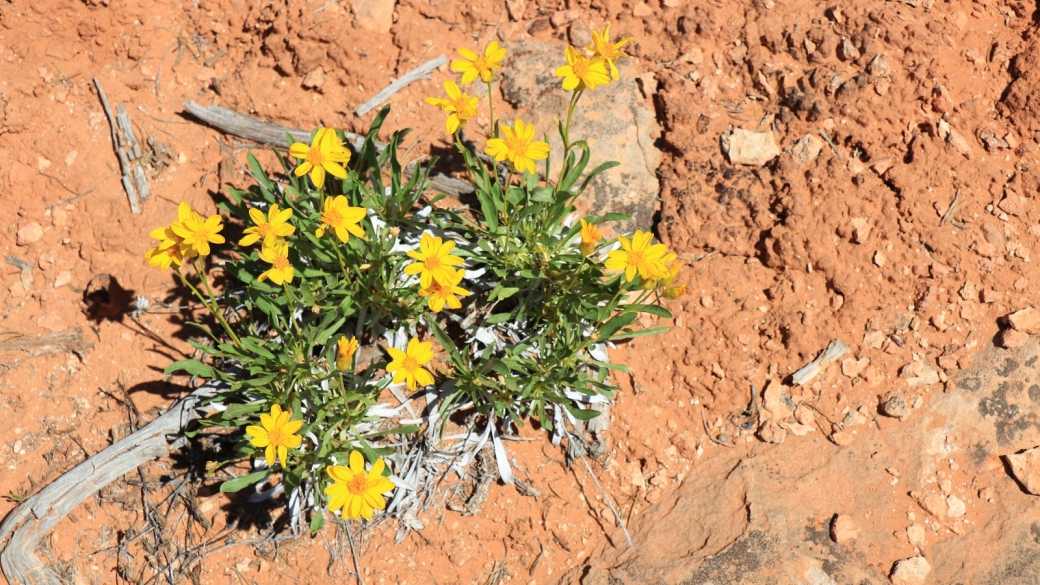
x=579, y=413
x=317, y=522
x=499, y=318
x=446, y=343
x=616, y=217
x=239, y=483
x=614, y=325
x=193, y=367
x=253, y=345
x=640, y=333
x=258, y=172
x=235, y=411
x=507, y=291
x=653, y=310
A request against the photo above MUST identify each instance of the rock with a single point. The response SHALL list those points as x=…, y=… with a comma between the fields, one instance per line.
x=614, y=119
x=919, y=373
x=931, y=502
x=744, y=147
x=29, y=233
x=955, y=508
x=1026, y=320
x=915, y=534
x=64, y=277
x=770, y=432
x=860, y=230
x=70, y=158
x=1025, y=466
x=895, y=407
x=800, y=430
x=912, y=571
x=844, y=529
x=1013, y=203
x=879, y=67
x=879, y=259
x=374, y=15
x=315, y=79
x=1011, y=338
x=804, y=415
x=847, y=51
x=516, y=9
x=843, y=438
x=51, y=322
x=776, y=401
x=955, y=139
x=805, y=149
x=59, y=217
x=853, y=368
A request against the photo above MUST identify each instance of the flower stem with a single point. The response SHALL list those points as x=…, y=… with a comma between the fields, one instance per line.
x=567, y=133
x=292, y=309
x=491, y=108
x=212, y=308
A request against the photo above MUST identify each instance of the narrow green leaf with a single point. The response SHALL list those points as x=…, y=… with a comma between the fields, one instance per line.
x=193, y=367
x=239, y=483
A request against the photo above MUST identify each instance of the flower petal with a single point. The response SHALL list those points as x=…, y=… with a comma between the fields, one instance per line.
x=357, y=462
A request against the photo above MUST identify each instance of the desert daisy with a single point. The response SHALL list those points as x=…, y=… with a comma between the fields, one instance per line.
x=341, y=218
x=345, y=349
x=197, y=233
x=276, y=434
x=472, y=65
x=440, y=292
x=277, y=254
x=519, y=146
x=610, y=52
x=355, y=492
x=460, y=104
x=268, y=227
x=433, y=260
x=590, y=237
x=407, y=365
x=325, y=154
x=638, y=256
x=582, y=71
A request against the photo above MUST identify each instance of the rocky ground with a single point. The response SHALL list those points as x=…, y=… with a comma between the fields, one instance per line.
x=856, y=171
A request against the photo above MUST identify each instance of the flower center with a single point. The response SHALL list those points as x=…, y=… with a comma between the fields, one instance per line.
x=464, y=108
x=581, y=68
x=315, y=157
x=432, y=263
x=410, y=364
x=281, y=262
x=358, y=485
x=275, y=437
x=441, y=290
x=517, y=146
x=636, y=258
x=331, y=217
x=201, y=235
x=264, y=229
x=481, y=64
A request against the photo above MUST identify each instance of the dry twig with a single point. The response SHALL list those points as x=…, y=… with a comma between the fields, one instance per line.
x=421, y=72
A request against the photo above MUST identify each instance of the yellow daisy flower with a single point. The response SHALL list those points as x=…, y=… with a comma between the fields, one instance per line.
x=461, y=105
x=407, y=365
x=325, y=154
x=433, y=260
x=269, y=228
x=276, y=434
x=638, y=255
x=278, y=256
x=582, y=71
x=440, y=292
x=355, y=492
x=610, y=52
x=341, y=218
x=590, y=237
x=484, y=65
x=197, y=233
x=345, y=349
x=164, y=258
x=519, y=146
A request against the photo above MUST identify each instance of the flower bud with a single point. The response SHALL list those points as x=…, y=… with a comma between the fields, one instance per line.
x=674, y=292
x=345, y=349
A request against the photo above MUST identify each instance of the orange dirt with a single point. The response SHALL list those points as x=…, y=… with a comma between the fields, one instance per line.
x=779, y=259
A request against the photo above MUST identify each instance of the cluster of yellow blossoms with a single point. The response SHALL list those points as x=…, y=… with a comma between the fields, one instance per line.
x=188, y=237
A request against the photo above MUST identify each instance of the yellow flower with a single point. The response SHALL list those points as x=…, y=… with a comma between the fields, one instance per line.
x=461, y=105
x=602, y=47
x=671, y=273
x=483, y=65
x=407, y=365
x=354, y=491
x=341, y=218
x=519, y=146
x=590, y=237
x=639, y=256
x=674, y=292
x=345, y=349
x=433, y=260
x=197, y=234
x=164, y=258
x=278, y=255
x=325, y=154
x=440, y=292
x=277, y=434
x=582, y=71
x=269, y=227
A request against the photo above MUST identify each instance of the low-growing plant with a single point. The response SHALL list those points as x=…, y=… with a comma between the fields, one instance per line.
x=345, y=289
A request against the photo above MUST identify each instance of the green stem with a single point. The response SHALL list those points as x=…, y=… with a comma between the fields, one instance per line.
x=292, y=309
x=567, y=133
x=491, y=107
x=211, y=305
